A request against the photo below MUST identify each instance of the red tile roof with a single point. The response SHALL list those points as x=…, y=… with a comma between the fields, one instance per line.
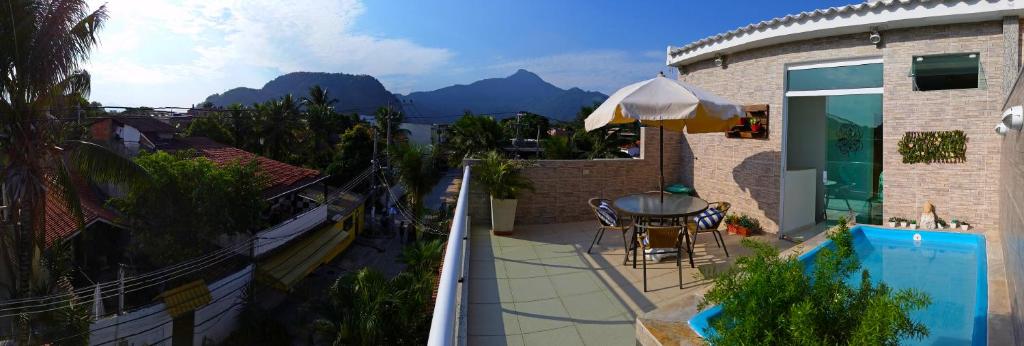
x=283, y=177
x=60, y=223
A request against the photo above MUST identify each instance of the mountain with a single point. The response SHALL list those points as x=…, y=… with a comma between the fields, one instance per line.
x=355, y=93
x=502, y=97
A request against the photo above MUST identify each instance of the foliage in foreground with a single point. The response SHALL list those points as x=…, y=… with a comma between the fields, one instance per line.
x=768, y=300
x=191, y=202
x=502, y=177
x=367, y=308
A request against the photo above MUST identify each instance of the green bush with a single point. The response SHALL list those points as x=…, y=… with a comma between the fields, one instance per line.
x=934, y=147
x=768, y=300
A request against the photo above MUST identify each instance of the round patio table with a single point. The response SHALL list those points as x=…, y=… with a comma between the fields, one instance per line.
x=647, y=206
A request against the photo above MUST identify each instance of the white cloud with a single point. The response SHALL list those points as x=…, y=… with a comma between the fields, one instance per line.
x=601, y=70
x=182, y=50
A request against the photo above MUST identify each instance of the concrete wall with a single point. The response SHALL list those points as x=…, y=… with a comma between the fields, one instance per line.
x=1011, y=214
x=564, y=186
x=746, y=172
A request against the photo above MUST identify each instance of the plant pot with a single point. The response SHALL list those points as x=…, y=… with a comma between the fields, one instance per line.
x=913, y=226
x=756, y=128
x=739, y=230
x=503, y=215
x=965, y=227
x=904, y=224
x=892, y=225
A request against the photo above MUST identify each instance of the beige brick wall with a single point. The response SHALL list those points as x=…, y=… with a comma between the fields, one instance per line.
x=746, y=172
x=564, y=186
x=1012, y=213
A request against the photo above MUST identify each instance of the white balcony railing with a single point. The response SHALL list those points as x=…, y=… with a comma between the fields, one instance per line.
x=448, y=325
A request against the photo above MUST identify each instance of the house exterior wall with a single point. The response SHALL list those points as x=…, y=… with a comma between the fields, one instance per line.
x=747, y=172
x=1011, y=215
x=563, y=187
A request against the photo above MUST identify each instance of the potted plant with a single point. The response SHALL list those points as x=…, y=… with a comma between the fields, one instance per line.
x=755, y=125
x=913, y=224
x=504, y=180
x=954, y=222
x=730, y=223
x=964, y=225
x=893, y=221
x=904, y=223
x=743, y=225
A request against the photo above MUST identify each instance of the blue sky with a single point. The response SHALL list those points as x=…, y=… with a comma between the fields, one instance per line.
x=176, y=52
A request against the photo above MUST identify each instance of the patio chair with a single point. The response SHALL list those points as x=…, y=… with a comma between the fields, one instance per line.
x=710, y=226
x=617, y=224
x=658, y=239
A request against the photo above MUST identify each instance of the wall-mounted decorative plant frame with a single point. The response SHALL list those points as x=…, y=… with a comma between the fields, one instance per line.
x=934, y=147
x=753, y=126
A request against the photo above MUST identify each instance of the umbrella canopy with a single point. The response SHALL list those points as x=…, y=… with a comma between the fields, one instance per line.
x=666, y=103
x=661, y=101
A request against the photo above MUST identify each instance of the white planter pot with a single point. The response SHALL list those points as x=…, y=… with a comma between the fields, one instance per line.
x=913, y=226
x=903, y=224
x=965, y=227
x=955, y=225
x=503, y=215
x=892, y=225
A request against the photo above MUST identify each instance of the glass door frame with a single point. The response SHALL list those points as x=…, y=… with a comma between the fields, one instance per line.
x=853, y=61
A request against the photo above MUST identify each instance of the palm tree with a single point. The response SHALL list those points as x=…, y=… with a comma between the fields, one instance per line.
x=42, y=47
x=416, y=172
x=472, y=135
x=318, y=97
x=279, y=123
x=389, y=121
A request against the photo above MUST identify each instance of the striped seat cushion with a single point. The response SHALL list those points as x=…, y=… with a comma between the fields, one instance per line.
x=709, y=219
x=607, y=214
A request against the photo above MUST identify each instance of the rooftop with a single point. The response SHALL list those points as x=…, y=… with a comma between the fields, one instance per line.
x=540, y=286
x=283, y=177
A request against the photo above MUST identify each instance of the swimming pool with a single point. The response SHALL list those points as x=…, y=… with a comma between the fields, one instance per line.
x=950, y=267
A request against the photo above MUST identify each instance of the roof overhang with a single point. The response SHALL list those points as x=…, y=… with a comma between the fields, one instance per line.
x=850, y=19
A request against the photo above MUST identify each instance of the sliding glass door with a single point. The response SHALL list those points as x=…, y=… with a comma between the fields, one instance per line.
x=853, y=175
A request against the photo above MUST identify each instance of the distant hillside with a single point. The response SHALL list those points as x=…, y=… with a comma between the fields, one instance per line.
x=355, y=93
x=522, y=91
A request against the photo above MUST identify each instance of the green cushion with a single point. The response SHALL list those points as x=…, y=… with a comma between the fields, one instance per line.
x=679, y=188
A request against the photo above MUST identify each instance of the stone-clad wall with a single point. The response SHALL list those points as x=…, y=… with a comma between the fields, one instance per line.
x=1012, y=213
x=564, y=186
x=747, y=172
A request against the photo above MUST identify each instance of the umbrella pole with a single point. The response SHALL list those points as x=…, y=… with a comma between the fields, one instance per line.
x=661, y=160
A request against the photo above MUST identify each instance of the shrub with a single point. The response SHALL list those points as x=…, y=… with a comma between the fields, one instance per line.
x=768, y=299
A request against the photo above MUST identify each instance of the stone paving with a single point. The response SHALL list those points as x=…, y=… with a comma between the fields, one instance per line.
x=541, y=287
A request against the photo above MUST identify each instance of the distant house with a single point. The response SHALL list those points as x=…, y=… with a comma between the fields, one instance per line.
x=129, y=134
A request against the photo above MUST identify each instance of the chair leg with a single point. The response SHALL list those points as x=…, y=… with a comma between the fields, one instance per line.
x=597, y=238
x=720, y=236
x=645, y=270
x=679, y=265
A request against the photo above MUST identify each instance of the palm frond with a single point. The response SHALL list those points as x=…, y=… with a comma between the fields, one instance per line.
x=101, y=164
x=68, y=193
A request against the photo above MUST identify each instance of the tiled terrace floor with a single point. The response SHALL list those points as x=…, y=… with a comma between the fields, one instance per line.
x=540, y=287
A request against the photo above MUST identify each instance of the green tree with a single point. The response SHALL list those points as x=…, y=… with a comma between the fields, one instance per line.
x=43, y=45
x=365, y=307
x=318, y=96
x=353, y=154
x=389, y=120
x=279, y=128
x=210, y=127
x=557, y=148
x=768, y=299
x=528, y=124
x=416, y=172
x=191, y=202
x=471, y=135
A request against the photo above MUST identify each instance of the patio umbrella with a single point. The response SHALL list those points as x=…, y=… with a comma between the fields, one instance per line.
x=666, y=103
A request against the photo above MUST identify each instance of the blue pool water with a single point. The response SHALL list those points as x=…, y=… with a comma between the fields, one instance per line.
x=950, y=267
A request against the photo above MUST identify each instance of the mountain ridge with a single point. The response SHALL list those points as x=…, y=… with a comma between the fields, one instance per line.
x=498, y=96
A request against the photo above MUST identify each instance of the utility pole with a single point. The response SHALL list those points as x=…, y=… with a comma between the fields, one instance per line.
x=374, y=188
x=515, y=143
